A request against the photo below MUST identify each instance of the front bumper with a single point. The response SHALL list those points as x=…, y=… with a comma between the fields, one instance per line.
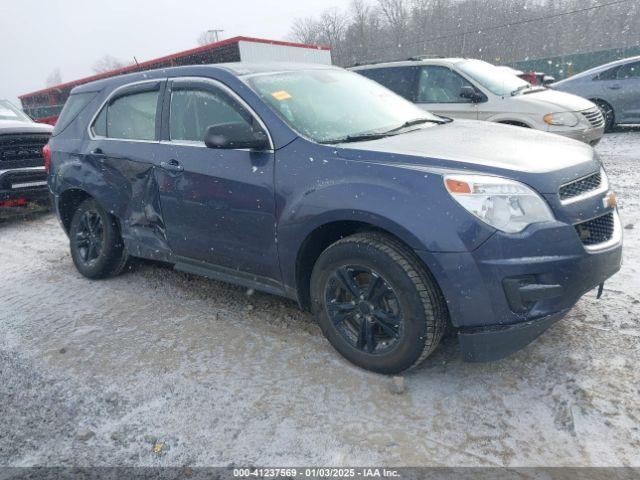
x=554, y=268
x=28, y=184
x=493, y=343
x=589, y=135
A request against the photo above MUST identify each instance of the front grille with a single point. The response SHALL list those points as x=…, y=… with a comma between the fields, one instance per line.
x=594, y=117
x=580, y=186
x=22, y=150
x=596, y=231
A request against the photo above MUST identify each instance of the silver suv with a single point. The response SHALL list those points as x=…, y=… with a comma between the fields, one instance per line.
x=467, y=88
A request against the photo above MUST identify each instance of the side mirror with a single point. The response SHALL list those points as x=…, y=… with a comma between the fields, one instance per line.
x=547, y=80
x=235, y=135
x=469, y=92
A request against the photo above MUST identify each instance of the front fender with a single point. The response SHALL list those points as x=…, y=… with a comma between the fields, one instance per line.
x=322, y=187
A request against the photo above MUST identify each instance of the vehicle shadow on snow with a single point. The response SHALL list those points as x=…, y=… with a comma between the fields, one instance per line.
x=271, y=310
x=12, y=215
x=625, y=129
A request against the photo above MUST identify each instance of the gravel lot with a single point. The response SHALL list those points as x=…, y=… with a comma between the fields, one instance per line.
x=157, y=367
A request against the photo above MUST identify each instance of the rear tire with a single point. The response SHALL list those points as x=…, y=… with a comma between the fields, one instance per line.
x=376, y=303
x=96, y=245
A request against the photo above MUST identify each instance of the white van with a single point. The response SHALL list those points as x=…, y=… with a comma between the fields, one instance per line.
x=468, y=88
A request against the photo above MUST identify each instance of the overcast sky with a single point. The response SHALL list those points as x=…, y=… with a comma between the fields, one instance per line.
x=37, y=36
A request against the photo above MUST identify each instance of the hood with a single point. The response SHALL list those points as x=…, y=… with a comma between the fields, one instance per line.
x=552, y=101
x=13, y=126
x=542, y=160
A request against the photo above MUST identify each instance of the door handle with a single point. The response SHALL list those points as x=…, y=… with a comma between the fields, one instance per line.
x=172, y=166
x=615, y=86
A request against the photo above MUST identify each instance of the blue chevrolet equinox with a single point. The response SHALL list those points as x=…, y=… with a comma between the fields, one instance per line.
x=390, y=224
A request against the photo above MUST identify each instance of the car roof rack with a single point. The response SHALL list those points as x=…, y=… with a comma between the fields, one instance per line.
x=424, y=57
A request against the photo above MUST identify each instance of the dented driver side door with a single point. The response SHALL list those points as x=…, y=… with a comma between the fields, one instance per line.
x=124, y=150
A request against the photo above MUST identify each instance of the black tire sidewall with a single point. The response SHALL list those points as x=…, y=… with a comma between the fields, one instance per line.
x=112, y=249
x=412, y=342
x=609, y=123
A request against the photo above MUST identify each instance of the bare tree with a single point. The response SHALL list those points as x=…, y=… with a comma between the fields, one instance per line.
x=333, y=26
x=108, y=63
x=305, y=30
x=360, y=32
x=499, y=31
x=54, y=78
x=396, y=15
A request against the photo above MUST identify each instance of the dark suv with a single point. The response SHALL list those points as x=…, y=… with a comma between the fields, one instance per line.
x=314, y=183
x=22, y=171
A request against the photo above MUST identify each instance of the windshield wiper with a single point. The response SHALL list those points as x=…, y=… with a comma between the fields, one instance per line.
x=388, y=133
x=417, y=121
x=538, y=88
x=357, y=137
x=520, y=88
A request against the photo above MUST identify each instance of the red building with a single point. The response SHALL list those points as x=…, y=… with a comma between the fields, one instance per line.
x=45, y=105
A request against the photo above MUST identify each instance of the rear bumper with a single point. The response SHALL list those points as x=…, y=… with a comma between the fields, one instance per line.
x=511, y=288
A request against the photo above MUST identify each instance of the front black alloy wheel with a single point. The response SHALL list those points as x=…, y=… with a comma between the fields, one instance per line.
x=96, y=245
x=376, y=303
x=364, y=309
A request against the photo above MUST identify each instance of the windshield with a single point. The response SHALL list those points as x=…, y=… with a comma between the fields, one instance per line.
x=9, y=112
x=329, y=105
x=492, y=78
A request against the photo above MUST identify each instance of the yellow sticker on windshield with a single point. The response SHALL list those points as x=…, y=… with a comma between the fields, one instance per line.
x=281, y=95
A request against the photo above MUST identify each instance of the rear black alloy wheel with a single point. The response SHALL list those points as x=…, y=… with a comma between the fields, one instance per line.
x=96, y=245
x=376, y=303
x=89, y=236
x=364, y=309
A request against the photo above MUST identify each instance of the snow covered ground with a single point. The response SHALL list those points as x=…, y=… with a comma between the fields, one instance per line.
x=157, y=367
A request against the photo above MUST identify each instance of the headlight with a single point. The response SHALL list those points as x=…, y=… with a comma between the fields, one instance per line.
x=504, y=204
x=562, y=119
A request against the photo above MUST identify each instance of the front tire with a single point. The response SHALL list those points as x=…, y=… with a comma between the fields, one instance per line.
x=608, y=114
x=96, y=245
x=376, y=304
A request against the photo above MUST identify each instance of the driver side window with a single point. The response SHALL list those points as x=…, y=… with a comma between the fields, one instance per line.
x=440, y=85
x=193, y=109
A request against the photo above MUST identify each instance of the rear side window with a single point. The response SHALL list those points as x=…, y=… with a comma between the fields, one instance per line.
x=130, y=116
x=630, y=70
x=194, y=109
x=441, y=85
x=72, y=107
x=608, y=74
x=401, y=80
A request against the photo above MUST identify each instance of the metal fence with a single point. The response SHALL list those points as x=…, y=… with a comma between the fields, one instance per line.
x=564, y=66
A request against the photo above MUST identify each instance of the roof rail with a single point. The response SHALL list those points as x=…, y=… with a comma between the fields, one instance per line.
x=359, y=64
x=424, y=57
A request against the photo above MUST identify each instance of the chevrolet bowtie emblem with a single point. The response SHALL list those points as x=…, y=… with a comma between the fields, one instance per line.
x=610, y=200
